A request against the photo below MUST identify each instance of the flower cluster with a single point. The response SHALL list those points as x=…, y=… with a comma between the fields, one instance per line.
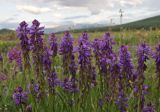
x=84, y=59
x=93, y=76
x=36, y=42
x=84, y=38
x=143, y=54
x=1, y=58
x=20, y=96
x=36, y=32
x=73, y=68
x=106, y=44
x=53, y=44
x=15, y=55
x=53, y=81
x=126, y=62
x=149, y=108
x=66, y=49
x=125, y=75
x=22, y=33
x=157, y=61
x=46, y=60
x=96, y=45
x=69, y=86
x=66, y=45
x=122, y=102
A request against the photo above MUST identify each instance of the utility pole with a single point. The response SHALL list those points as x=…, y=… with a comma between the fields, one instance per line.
x=121, y=15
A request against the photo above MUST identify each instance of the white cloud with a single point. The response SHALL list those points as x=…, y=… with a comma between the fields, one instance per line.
x=32, y=9
x=131, y=2
x=58, y=12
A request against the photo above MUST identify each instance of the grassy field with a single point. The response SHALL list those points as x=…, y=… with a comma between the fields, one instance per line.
x=63, y=101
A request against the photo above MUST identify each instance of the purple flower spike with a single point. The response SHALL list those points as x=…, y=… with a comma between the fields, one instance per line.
x=22, y=33
x=122, y=102
x=96, y=45
x=53, y=44
x=66, y=50
x=106, y=45
x=149, y=108
x=73, y=67
x=143, y=54
x=53, y=81
x=36, y=32
x=156, y=56
x=66, y=44
x=1, y=58
x=36, y=42
x=84, y=60
x=126, y=63
x=46, y=60
x=69, y=86
x=20, y=96
x=84, y=39
x=93, y=76
x=15, y=54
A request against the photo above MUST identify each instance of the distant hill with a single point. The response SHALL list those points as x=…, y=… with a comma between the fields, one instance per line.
x=75, y=27
x=144, y=23
x=5, y=31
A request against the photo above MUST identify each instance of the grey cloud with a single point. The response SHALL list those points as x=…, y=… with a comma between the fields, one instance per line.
x=33, y=9
x=75, y=17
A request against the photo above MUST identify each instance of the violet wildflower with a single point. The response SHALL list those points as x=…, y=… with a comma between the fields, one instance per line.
x=126, y=65
x=84, y=38
x=66, y=49
x=22, y=33
x=149, y=108
x=69, y=86
x=126, y=72
x=143, y=54
x=106, y=58
x=106, y=45
x=96, y=45
x=73, y=68
x=1, y=62
x=122, y=99
x=37, y=48
x=53, y=47
x=15, y=55
x=53, y=44
x=114, y=78
x=157, y=61
x=20, y=96
x=53, y=81
x=85, y=64
x=1, y=58
x=93, y=76
x=36, y=32
x=47, y=60
x=35, y=89
x=122, y=102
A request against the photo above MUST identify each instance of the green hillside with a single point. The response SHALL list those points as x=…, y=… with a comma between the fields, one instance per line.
x=145, y=23
x=5, y=31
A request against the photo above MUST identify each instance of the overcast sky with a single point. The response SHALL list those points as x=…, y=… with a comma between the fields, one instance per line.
x=52, y=13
